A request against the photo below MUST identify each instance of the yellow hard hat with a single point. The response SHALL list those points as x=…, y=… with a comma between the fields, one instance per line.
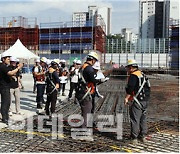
x=132, y=62
x=93, y=55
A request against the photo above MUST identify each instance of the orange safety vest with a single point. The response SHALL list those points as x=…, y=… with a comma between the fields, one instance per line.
x=89, y=84
x=138, y=74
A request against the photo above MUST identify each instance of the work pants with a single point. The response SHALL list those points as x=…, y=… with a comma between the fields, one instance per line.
x=40, y=93
x=5, y=103
x=16, y=93
x=72, y=87
x=86, y=108
x=62, y=86
x=51, y=100
x=138, y=119
x=34, y=85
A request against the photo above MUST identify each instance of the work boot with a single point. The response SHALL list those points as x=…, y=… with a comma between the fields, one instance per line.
x=5, y=121
x=143, y=139
x=134, y=141
x=63, y=94
x=39, y=106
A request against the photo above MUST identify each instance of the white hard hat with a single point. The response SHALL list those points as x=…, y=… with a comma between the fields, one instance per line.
x=132, y=62
x=96, y=65
x=56, y=61
x=48, y=61
x=78, y=62
x=5, y=54
x=37, y=61
x=63, y=61
x=43, y=59
x=75, y=60
x=93, y=55
x=17, y=60
x=13, y=59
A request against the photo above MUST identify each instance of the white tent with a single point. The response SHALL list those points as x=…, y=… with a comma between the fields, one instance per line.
x=18, y=50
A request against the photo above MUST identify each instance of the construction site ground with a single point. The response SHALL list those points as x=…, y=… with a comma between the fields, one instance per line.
x=163, y=121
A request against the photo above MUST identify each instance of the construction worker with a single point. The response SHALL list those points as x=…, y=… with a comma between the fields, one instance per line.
x=74, y=72
x=37, y=65
x=15, y=87
x=52, y=80
x=102, y=79
x=5, y=78
x=137, y=105
x=63, y=73
x=39, y=73
x=84, y=96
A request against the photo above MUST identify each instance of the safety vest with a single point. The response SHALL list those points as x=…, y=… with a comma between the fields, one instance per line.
x=89, y=84
x=138, y=73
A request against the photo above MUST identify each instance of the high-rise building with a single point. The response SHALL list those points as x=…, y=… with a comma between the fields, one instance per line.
x=105, y=13
x=95, y=14
x=154, y=18
x=80, y=18
x=128, y=35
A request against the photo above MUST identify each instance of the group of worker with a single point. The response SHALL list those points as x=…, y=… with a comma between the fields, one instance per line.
x=51, y=76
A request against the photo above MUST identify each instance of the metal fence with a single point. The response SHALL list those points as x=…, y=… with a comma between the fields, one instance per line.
x=160, y=45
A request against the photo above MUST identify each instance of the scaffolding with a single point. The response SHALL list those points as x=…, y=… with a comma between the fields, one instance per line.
x=71, y=37
x=13, y=28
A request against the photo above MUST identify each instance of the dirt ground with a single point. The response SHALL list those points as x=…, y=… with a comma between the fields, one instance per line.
x=164, y=105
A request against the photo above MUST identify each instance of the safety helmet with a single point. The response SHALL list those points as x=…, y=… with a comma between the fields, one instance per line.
x=14, y=59
x=78, y=62
x=37, y=61
x=63, y=61
x=93, y=55
x=17, y=60
x=96, y=65
x=56, y=61
x=48, y=61
x=132, y=62
x=75, y=60
x=44, y=59
x=5, y=54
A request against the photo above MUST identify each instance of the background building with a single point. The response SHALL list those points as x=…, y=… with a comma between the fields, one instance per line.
x=154, y=18
x=80, y=18
x=12, y=28
x=70, y=38
x=99, y=16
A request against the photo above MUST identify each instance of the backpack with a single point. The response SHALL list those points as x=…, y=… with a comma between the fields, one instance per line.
x=144, y=91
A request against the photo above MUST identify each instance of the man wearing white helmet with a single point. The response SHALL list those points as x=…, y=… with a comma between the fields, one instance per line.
x=15, y=87
x=39, y=73
x=5, y=77
x=137, y=101
x=74, y=77
x=82, y=94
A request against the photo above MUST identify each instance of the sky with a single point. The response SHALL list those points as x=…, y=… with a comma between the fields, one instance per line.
x=124, y=12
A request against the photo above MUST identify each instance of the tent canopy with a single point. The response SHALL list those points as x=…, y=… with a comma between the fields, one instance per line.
x=18, y=50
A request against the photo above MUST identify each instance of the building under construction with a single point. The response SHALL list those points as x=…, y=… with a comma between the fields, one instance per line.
x=71, y=37
x=12, y=28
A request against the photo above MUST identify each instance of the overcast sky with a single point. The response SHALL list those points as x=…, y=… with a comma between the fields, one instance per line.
x=124, y=12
